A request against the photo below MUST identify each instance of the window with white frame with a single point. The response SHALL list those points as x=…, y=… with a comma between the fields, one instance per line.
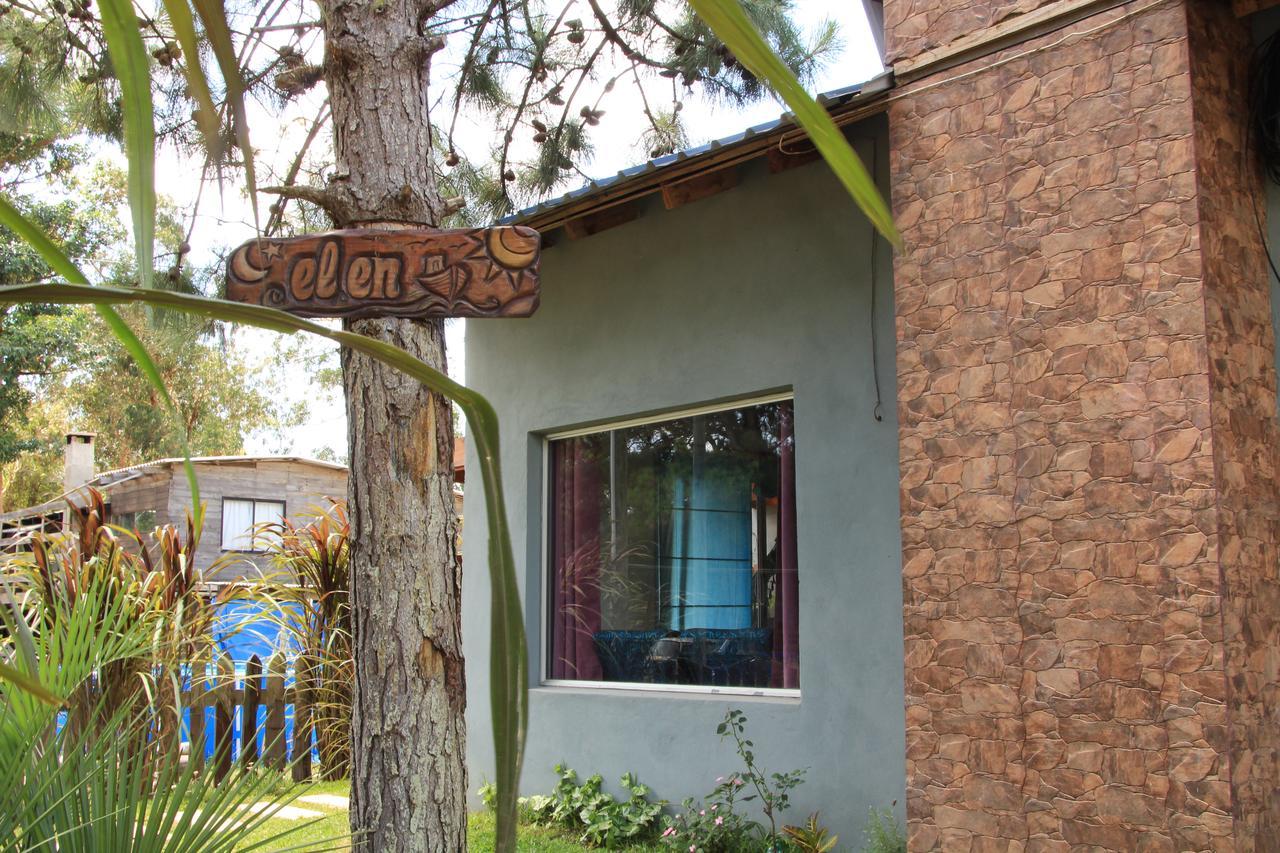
x=241, y=520
x=672, y=551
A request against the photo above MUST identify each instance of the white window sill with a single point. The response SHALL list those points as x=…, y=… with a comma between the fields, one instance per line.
x=667, y=691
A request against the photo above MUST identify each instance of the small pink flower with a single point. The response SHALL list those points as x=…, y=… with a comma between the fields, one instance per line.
x=719, y=779
x=719, y=821
x=739, y=781
x=693, y=848
x=715, y=806
x=668, y=832
x=703, y=812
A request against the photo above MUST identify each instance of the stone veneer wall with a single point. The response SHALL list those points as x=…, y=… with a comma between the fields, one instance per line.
x=1087, y=440
x=914, y=26
x=1246, y=442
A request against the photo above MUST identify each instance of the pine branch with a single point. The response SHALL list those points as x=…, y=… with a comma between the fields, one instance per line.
x=340, y=209
x=298, y=27
x=524, y=100
x=276, y=217
x=568, y=104
x=613, y=36
x=467, y=64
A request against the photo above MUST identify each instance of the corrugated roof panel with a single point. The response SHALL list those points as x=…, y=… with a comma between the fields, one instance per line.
x=874, y=85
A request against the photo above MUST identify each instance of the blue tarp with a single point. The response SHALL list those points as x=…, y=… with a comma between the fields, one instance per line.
x=242, y=629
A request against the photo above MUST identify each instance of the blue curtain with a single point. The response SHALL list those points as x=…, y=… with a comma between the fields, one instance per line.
x=711, y=546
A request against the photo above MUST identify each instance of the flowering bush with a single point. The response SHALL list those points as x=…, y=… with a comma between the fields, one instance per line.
x=713, y=825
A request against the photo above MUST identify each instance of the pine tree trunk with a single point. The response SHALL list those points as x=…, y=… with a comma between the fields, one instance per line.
x=408, y=731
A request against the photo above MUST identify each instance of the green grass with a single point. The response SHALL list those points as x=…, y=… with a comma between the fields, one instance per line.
x=533, y=839
x=331, y=831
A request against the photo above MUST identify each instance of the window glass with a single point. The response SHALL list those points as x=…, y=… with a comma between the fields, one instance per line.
x=267, y=512
x=241, y=516
x=143, y=521
x=673, y=552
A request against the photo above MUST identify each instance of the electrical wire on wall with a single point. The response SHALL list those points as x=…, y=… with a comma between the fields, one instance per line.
x=877, y=412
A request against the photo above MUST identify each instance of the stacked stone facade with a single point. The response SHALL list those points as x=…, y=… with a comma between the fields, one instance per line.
x=1241, y=346
x=915, y=26
x=1088, y=442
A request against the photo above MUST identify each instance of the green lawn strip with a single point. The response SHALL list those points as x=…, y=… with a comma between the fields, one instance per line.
x=330, y=832
x=533, y=839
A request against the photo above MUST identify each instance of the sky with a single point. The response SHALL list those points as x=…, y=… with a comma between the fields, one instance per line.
x=226, y=218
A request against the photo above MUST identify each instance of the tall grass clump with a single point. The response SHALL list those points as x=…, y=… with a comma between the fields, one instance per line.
x=313, y=606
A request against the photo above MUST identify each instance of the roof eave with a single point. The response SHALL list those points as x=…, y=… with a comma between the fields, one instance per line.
x=846, y=105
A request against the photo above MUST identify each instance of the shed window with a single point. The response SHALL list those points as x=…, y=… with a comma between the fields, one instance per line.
x=241, y=518
x=672, y=551
x=143, y=521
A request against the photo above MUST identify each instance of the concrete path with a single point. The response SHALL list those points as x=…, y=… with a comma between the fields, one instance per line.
x=332, y=801
x=284, y=812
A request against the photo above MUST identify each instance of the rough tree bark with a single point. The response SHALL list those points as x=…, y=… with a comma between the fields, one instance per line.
x=408, y=732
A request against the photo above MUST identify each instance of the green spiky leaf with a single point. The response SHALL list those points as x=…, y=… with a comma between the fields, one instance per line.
x=732, y=26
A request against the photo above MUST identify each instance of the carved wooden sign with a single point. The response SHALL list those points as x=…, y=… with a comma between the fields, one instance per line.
x=420, y=272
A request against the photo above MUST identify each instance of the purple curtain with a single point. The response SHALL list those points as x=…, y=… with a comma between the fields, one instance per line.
x=786, y=617
x=575, y=556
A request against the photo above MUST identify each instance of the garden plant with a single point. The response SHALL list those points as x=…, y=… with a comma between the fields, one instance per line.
x=93, y=634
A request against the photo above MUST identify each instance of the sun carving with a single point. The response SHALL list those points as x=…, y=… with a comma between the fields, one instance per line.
x=505, y=252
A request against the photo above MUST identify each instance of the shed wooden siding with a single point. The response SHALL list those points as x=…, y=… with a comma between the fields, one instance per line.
x=303, y=488
x=150, y=492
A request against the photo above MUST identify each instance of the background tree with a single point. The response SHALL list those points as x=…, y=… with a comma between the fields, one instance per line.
x=392, y=166
x=60, y=370
x=39, y=341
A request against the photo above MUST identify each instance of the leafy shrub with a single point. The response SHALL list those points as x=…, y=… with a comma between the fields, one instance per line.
x=588, y=811
x=813, y=837
x=314, y=610
x=86, y=730
x=884, y=834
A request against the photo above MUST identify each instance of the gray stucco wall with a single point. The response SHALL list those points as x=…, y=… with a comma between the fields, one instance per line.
x=764, y=287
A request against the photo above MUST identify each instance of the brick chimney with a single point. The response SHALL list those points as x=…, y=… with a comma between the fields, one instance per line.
x=78, y=464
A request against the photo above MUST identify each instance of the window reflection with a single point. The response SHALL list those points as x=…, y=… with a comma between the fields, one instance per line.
x=673, y=552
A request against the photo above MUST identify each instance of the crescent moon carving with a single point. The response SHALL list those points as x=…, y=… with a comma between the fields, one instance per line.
x=514, y=248
x=242, y=269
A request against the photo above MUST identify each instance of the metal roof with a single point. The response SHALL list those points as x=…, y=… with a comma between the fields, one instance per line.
x=107, y=479
x=831, y=100
x=213, y=460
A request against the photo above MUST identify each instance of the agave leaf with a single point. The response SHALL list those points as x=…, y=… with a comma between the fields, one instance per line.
x=184, y=27
x=132, y=66
x=216, y=30
x=508, y=662
x=732, y=26
x=18, y=628
x=28, y=683
x=11, y=218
